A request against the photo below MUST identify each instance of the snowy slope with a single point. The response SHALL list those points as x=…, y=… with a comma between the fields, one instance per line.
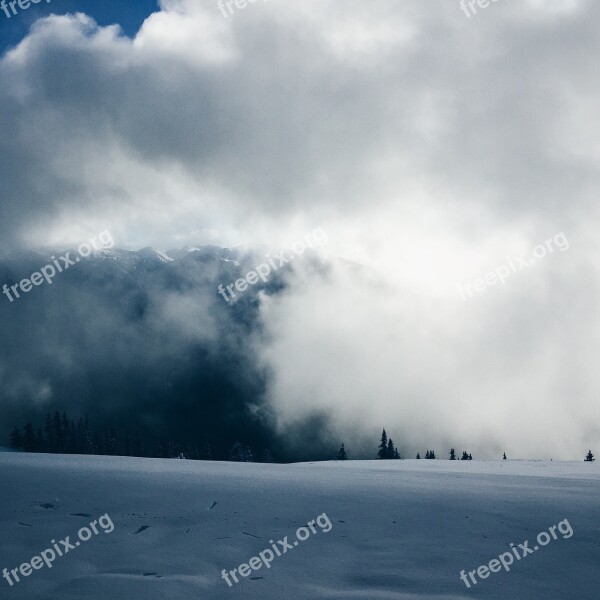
x=402, y=530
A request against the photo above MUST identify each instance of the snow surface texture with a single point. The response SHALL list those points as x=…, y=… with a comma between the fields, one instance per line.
x=402, y=530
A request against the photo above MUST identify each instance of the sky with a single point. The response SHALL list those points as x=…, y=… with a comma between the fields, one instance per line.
x=434, y=148
x=129, y=15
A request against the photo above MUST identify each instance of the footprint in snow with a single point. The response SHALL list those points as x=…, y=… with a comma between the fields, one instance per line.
x=142, y=528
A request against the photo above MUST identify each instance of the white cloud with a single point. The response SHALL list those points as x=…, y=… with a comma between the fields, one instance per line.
x=428, y=146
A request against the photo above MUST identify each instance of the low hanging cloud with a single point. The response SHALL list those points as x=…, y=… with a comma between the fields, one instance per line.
x=429, y=146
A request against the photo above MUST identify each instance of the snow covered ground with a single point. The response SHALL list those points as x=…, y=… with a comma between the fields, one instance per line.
x=401, y=530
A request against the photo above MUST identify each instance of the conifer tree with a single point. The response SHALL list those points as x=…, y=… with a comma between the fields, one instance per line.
x=383, y=446
x=589, y=457
x=418, y=456
x=15, y=440
x=72, y=446
x=390, y=449
x=65, y=428
x=452, y=454
x=504, y=457
x=342, y=453
x=90, y=446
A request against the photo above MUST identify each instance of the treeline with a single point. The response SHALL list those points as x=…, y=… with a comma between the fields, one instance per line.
x=61, y=435
x=387, y=450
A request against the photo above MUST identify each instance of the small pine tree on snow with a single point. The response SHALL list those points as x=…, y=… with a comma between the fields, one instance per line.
x=465, y=456
x=452, y=454
x=390, y=449
x=383, y=445
x=397, y=454
x=15, y=440
x=589, y=457
x=267, y=456
x=470, y=456
x=342, y=453
x=418, y=456
x=427, y=454
x=504, y=457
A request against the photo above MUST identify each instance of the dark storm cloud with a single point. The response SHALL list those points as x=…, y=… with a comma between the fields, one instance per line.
x=136, y=344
